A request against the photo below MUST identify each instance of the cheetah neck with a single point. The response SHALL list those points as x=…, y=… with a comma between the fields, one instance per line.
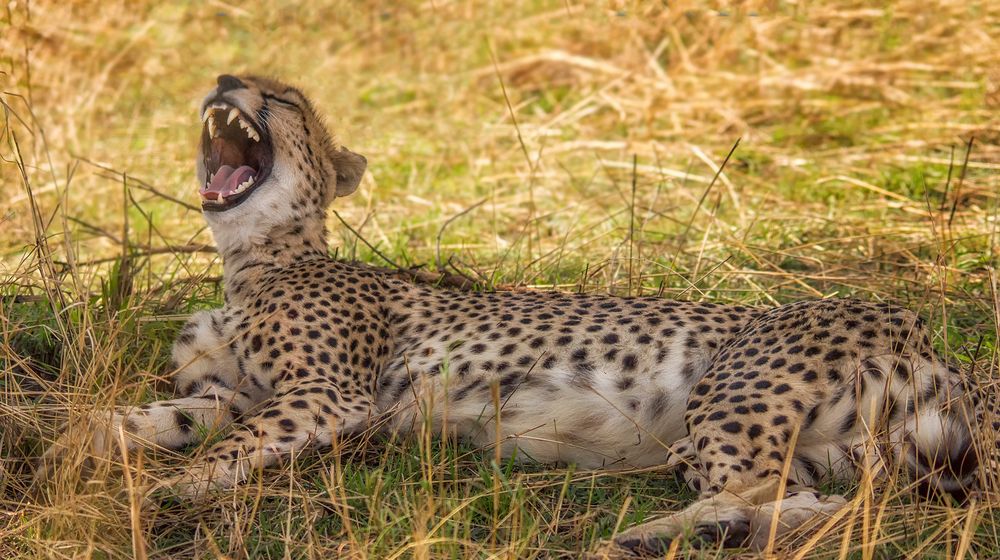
x=244, y=264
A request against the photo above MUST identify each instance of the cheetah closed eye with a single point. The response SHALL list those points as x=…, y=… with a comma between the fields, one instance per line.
x=306, y=349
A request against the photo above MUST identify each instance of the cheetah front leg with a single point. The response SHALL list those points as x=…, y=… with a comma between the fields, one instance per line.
x=311, y=413
x=207, y=377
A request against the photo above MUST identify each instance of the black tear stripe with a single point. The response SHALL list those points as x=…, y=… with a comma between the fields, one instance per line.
x=264, y=117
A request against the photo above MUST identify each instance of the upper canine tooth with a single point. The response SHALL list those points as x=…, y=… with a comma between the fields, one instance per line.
x=233, y=113
x=205, y=115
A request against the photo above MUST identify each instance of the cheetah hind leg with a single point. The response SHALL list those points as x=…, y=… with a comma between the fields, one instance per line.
x=731, y=520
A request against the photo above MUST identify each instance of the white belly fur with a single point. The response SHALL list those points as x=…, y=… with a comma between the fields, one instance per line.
x=593, y=426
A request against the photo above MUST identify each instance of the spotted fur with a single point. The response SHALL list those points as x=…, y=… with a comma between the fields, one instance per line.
x=746, y=402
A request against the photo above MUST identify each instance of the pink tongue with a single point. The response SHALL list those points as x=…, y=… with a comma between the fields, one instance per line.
x=226, y=181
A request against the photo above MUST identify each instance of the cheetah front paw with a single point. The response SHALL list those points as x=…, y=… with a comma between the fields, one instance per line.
x=197, y=481
x=78, y=452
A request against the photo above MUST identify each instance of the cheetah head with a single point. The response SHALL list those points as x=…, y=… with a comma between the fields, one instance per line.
x=266, y=159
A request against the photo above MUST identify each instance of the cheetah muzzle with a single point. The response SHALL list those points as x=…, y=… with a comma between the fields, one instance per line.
x=754, y=407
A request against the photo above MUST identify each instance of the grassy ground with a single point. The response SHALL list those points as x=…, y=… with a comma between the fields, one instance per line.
x=542, y=144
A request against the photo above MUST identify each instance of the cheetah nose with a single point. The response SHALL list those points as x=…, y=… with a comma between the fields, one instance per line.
x=227, y=82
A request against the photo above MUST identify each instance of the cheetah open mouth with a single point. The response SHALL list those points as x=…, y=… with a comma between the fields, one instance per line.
x=237, y=155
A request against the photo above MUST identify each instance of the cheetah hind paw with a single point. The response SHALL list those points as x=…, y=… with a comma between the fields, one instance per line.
x=655, y=539
x=714, y=522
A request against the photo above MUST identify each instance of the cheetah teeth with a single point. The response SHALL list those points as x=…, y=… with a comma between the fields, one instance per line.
x=243, y=186
x=232, y=114
x=251, y=133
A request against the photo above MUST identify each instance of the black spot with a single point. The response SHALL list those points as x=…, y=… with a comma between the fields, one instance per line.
x=183, y=421
x=717, y=415
x=733, y=427
x=833, y=355
x=630, y=362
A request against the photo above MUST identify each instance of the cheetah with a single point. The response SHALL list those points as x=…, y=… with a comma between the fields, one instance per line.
x=755, y=407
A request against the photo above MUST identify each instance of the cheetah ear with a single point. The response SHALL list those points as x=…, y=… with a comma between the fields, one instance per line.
x=350, y=169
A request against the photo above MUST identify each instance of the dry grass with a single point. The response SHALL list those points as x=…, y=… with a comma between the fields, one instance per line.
x=526, y=143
